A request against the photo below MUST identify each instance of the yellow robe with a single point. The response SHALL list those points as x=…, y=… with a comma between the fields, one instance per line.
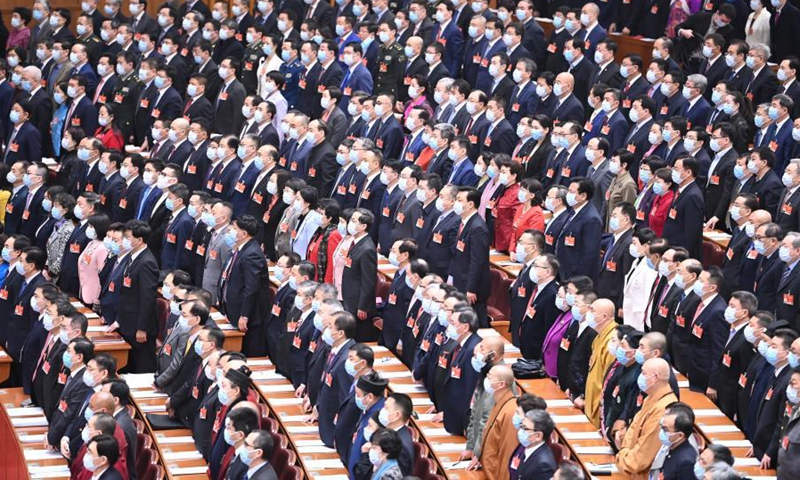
x=499, y=438
x=641, y=444
x=598, y=365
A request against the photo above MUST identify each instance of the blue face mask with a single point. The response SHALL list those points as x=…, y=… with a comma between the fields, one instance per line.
x=664, y=438
x=244, y=456
x=516, y=420
x=478, y=363
x=230, y=238
x=621, y=355
x=198, y=348
x=699, y=470
x=793, y=360
x=641, y=382
x=227, y=435
x=523, y=438
x=66, y=359
x=350, y=368
x=576, y=313
x=639, y=356
x=762, y=348
x=222, y=395
x=360, y=403
x=6, y=254
x=772, y=355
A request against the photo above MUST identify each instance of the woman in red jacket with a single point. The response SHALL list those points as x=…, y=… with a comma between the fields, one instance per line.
x=506, y=206
x=107, y=132
x=325, y=240
x=529, y=214
x=662, y=187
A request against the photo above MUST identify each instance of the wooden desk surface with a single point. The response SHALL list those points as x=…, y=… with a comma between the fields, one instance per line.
x=22, y=455
x=717, y=236
x=503, y=262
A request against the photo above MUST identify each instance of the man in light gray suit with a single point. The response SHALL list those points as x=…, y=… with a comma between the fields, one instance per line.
x=175, y=348
x=333, y=116
x=43, y=30
x=598, y=173
x=217, y=252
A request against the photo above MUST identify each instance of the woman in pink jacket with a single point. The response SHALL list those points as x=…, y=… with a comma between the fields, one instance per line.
x=93, y=258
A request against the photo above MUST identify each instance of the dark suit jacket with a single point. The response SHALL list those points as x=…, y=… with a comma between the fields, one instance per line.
x=770, y=408
x=470, y=261
x=685, y=229
x=613, y=268
x=29, y=222
x=576, y=247
x=125, y=208
x=761, y=88
x=461, y=377
x=334, y=389
x=67, y=408
x=768, y=278
x=321, y=166
x=174, y=240
x=228, y=115
x=26, y=145
x=537, y=320
x=541, y=463
x=359, y=278
x=137, y=306
x=243, y=284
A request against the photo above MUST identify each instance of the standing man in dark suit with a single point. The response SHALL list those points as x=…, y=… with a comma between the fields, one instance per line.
x=136, y=319
x=784, y=25
x=321, y=163
x=259, y=447
x=500, y=136
x=178, y=228
x=33, y=213
x=125, y=209
x=15, y=207
x=87, y=204
x=228, y=115
x=245, y=177
x=532, y=458
x=581, y=67
x=441, y=239
x=336, y=381
x=762, y=83
x=395, y=312
x=24, y=317
x=112, y=183
x=720, y=179
x=78, y=353
x=461, y=377
x=24, y=139
x=737, y=352
x=244, y=276
x=359, y=276
x=788, y=293
x=567, y=108
x=469, y=267
x=683, y=226
x=541, y=311
x=708, y=327
x=617, y=260
x=576, y=246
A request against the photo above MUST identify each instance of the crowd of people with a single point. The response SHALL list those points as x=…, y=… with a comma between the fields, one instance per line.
x=188, y=159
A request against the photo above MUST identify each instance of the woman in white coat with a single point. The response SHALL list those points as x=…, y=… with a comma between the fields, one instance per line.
x=639, y=280
x=756, y=30
x=305, y=204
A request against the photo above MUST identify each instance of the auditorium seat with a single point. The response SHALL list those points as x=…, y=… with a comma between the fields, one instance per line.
x=143, y=461
x=560, y=452
x=139, y=425
x=279, y=440
x=713, y=254
x=162, y=313
x=143, y=442
x=153, y=472
x=499, y=307
x=424, y=467
x=420, y=451
x=291, y=473
x=282, y=458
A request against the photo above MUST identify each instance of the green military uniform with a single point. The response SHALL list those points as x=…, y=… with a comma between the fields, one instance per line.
x=94, y=47
x=250, y=63
x=124, y=99
x=391, y=64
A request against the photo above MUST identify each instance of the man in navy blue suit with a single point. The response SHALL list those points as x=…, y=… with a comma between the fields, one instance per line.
x=439, y=244
x=81, y=112
x=469, y=267
x=33, y=213
x=577, y=247
x=242, y=282
x=245, y=177
x=684, y=224
x=16, y=203
x=523, y=96
x=573, y=162
x=637, y=142
x=493, y=46
x=112, y=183
x=335, y=380
x=130, y=169
x=615, y=126
x=179, y=227
x=541, y=311
x=24, y=139
x=779, y=133
x=87, y=204
x=395, y=311
x=635, y=84
x=150, y=193
x=568, y=107
x=500, y=135
x=413, y=144
x=462, y=173
x=582, y=69
x=181, y=148
x=168, y=102
x=533, y=458
x=461, y=377
x=592, y=32
x=356, y=78
x=79, y=56
x=389, y=138
x=697, y=108
x=223, y=177
x=447, y=33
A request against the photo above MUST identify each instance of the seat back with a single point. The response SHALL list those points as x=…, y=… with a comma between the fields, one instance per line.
x=499, y=296
x=713, y=254
x=280, y=459
x=424, y=467
x=420, y=451
x=139, y=425
x=291, y=473
x=560, y=452
x=162, y=313
x=143, y=442
x=144, y=461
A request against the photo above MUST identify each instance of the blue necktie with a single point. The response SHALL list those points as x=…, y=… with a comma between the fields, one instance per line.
x=144, y=202
x=346, y=78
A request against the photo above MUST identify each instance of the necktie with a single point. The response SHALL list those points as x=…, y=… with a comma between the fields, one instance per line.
x=188, y=106
x=143, y=202
x=228, y=272
x=699, y=311
x=99, y=89
x=786, y=272
x=346, y=78
x=608, y=250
